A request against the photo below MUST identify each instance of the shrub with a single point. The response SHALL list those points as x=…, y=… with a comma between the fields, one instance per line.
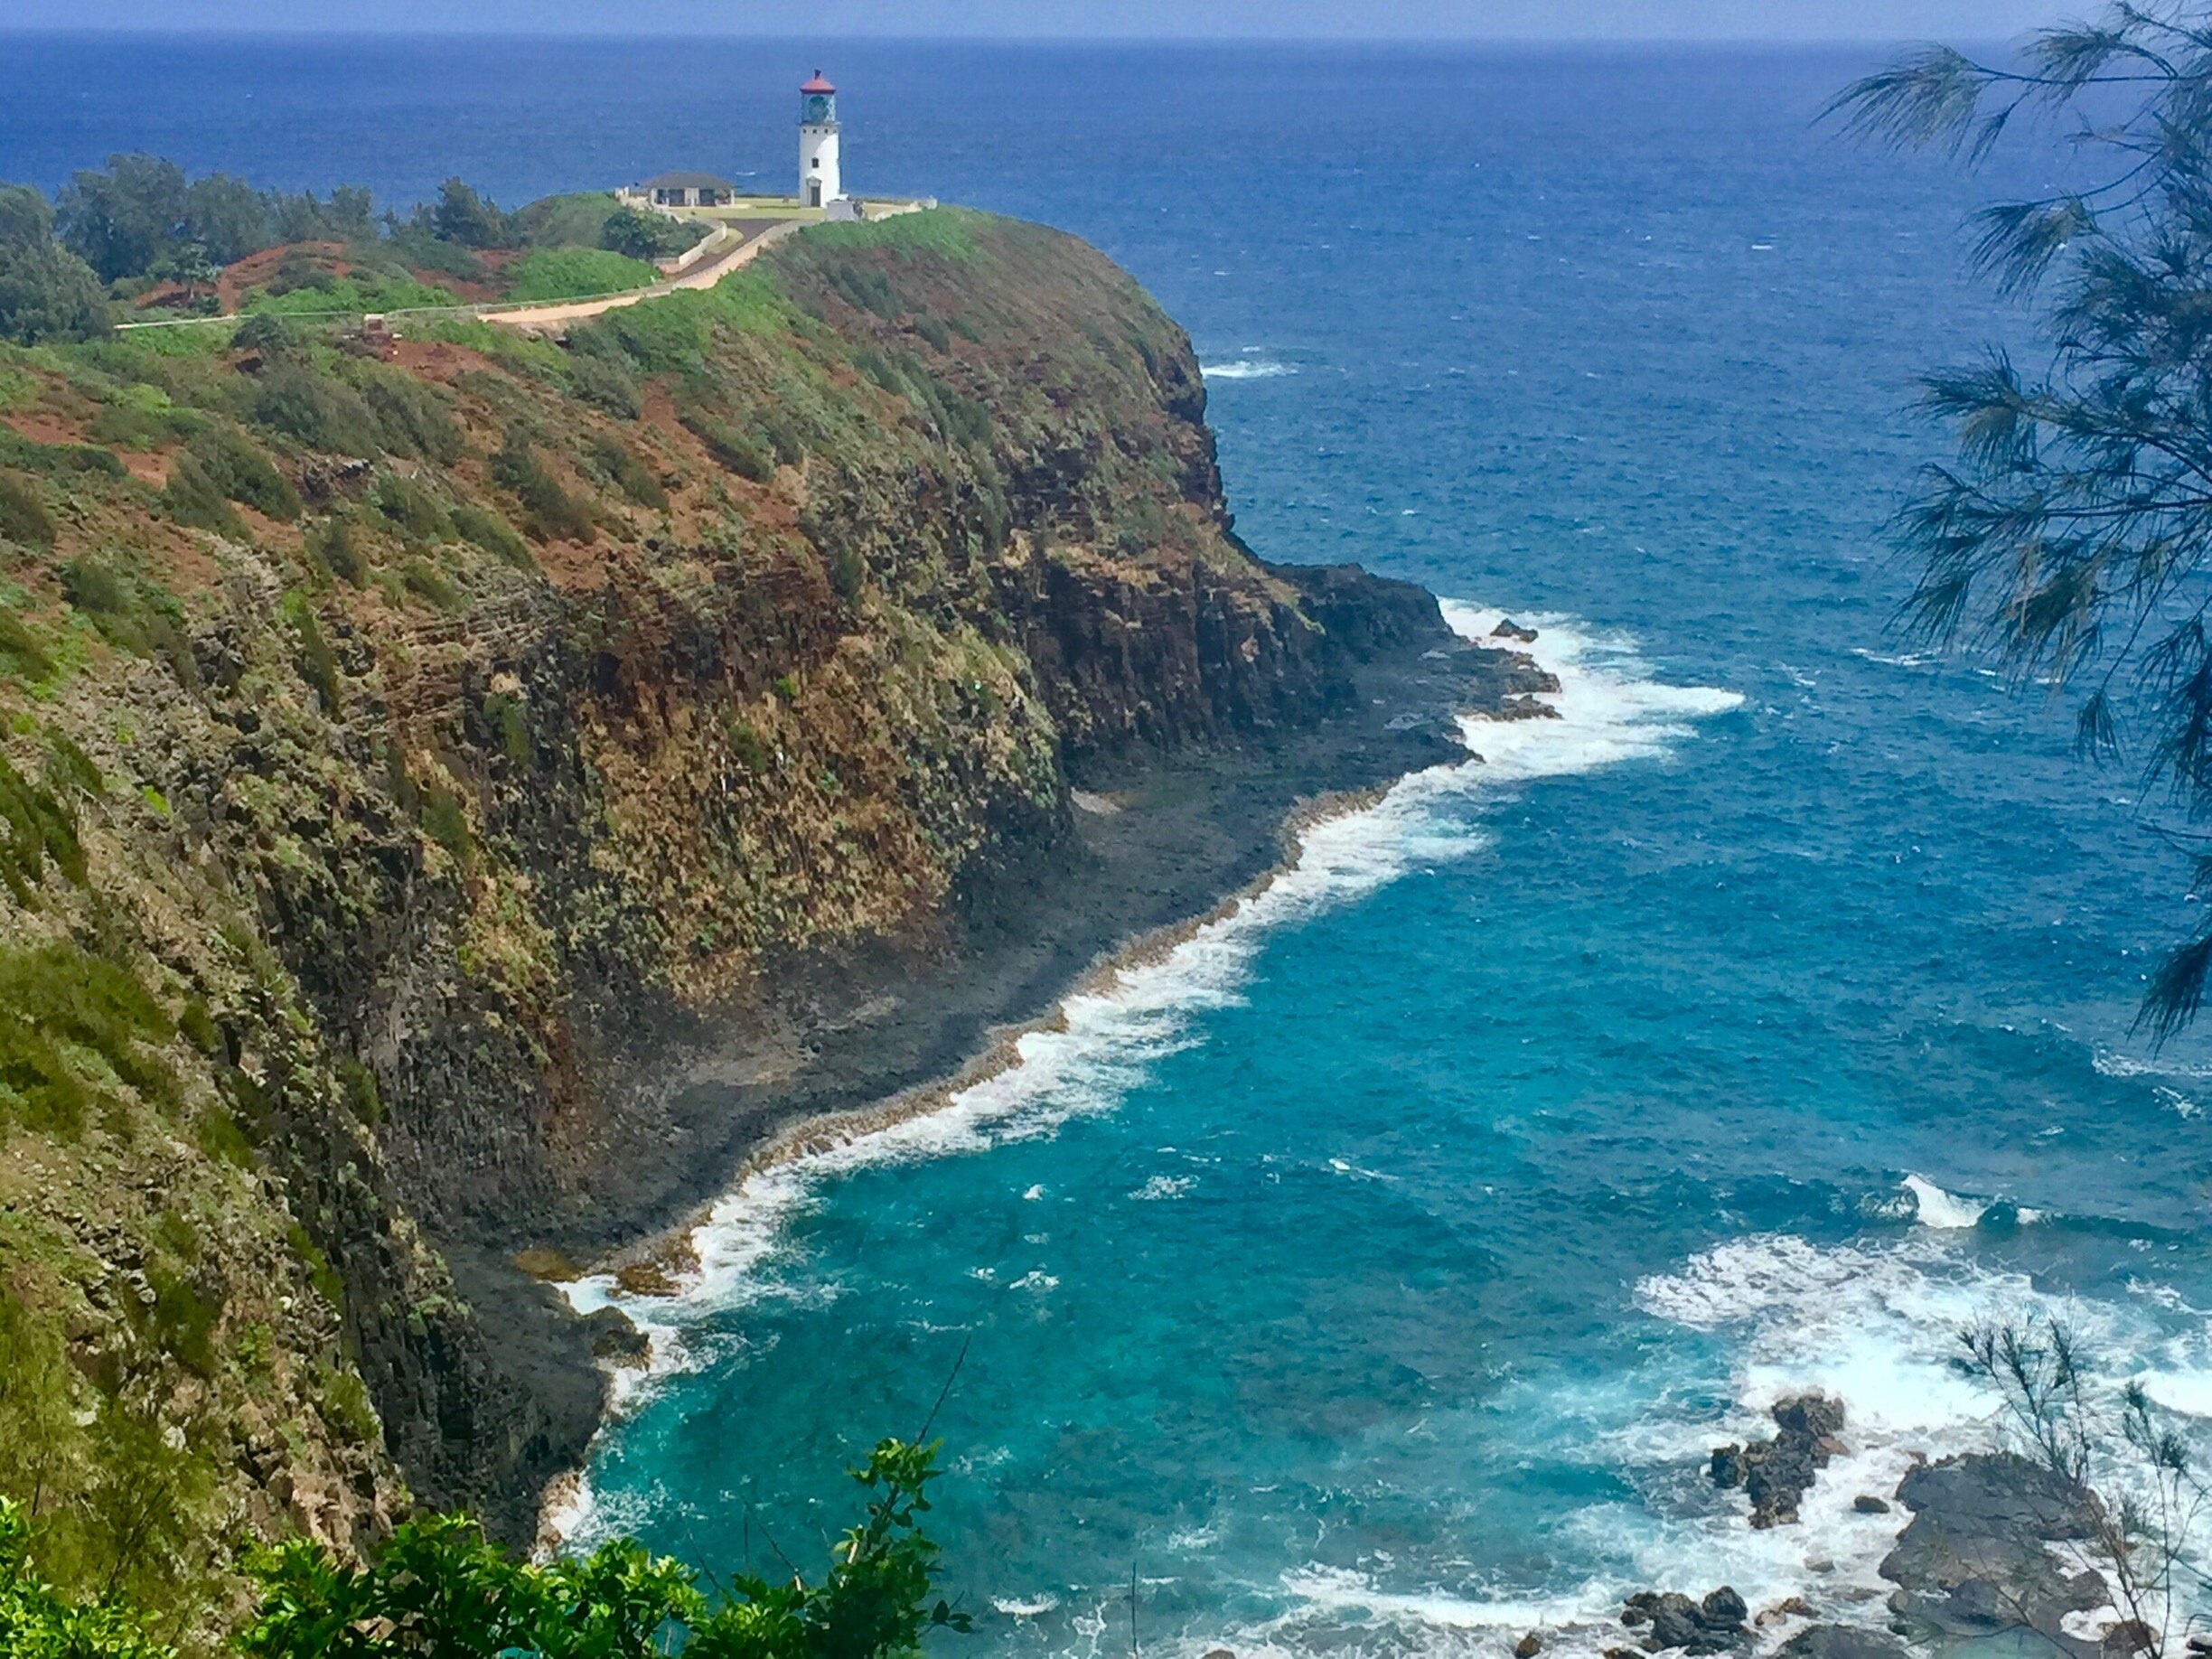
x=67, y=1018
x=21, y=654
x=444, y=822
x=270, y=337
x=647, y=236
x=426, y=581
x=493, y=534
x=412, y=510
x=321, y=413
x=48, y=295
x=438, y=1587
x=39, y=829
x=318, y=665
x=131, y=613
x=549, y=511
x=241, y=473
x=22, y=515
x=39, y=1623
x=413, y=419
x=741, y=452
x=631, y=475
x=332, y=546
x=192, y=498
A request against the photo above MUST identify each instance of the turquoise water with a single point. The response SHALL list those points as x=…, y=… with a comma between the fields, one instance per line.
x=1371, y=1275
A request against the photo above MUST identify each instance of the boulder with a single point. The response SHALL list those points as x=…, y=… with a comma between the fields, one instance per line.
x=1866, y=1504
x=1977, y=1559
x=1508, y=629
x=614, y=1338
x=1528, y=1646
x=1710, y=1626
x=1841, y=1642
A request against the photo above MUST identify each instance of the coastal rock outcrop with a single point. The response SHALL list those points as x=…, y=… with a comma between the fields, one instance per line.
x=1777, y=1474
x=1994, y=1544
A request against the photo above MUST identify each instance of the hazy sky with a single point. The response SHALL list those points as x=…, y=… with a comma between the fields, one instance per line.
x=1791, y=20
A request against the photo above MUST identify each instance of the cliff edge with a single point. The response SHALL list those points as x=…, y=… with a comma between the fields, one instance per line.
x=454, y=804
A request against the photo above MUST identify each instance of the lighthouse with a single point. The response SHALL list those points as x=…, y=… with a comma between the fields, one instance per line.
x=819, y=184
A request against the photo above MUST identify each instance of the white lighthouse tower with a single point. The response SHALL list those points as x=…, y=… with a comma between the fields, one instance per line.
x=819, y=183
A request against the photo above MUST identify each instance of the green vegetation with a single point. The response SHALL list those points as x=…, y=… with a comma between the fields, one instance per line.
x=46, y=292
x=38, y=1623
x=550, y=513
x=629, y=474
x=23, y=518
x=2073, y=534
x=576, y=272
x=352, y=297
x=437, y=1590
x=648, y=236
x=140, y=216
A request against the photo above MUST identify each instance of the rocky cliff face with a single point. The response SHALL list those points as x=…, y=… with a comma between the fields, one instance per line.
x=450, y=807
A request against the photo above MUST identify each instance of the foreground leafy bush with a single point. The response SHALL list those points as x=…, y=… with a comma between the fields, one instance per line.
x=438, y=1590
x=35, y=1623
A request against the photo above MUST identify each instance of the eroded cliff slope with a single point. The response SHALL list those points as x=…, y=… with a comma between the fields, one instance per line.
x=452, y=805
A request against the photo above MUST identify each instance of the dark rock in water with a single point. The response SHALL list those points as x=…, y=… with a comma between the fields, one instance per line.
x=1776, y=1474
x=1839, y=1642
x=1528, y=1646
x=1866, y=1504
x=2130, y=1635
x=1711, y=1626
x=1975, y=1559
x=1523, y=707
x=1509, y=629
x=1219, y=1652
x=1723, y=1610
x=614, y=1337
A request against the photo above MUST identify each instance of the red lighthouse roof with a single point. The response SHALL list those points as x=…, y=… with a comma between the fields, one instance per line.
x=817, y=84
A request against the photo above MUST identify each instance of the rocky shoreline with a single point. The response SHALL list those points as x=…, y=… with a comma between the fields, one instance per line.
x=1995, y=1545
x=1155, y=841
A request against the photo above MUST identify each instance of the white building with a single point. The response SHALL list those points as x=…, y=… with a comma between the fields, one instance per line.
x=819, y=183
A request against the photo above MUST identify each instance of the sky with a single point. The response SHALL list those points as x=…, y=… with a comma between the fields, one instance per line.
x=1584, y=20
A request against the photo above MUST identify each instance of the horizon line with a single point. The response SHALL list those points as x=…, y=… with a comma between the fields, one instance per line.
x=416, y=32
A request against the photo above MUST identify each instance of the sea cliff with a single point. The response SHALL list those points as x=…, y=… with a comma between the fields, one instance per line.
x=454, y=804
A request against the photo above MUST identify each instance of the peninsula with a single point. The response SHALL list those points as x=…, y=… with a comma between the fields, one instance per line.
x=460, y=793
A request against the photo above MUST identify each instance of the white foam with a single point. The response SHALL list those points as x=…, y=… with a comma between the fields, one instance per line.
x=1937, y=1208
x=1164, y=1186
x=1876, y=1326
x=1251, y=368
x=1108, y=1038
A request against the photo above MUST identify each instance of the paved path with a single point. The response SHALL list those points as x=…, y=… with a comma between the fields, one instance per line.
x=749, y=236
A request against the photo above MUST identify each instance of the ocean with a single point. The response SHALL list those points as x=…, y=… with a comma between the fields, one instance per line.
x=1371, y=1273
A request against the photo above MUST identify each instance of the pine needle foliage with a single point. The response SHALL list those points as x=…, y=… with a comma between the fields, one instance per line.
x=2072, y=535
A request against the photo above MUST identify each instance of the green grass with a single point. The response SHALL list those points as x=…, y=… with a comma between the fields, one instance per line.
x=347, y=297
x=576, y=272
x=73, y=1027
x=946, y=231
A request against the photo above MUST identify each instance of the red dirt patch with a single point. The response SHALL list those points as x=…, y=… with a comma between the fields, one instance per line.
x=436, y=360
x=42, y=428
x=258, y=270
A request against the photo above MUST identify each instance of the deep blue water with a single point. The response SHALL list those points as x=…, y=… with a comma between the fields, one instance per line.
x=1371, y=1275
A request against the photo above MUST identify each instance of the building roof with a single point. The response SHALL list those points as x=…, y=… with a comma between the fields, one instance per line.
x=687, y=180
x=817, y=84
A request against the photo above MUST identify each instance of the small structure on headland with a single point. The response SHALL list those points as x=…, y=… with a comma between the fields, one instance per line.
x=682, y=189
